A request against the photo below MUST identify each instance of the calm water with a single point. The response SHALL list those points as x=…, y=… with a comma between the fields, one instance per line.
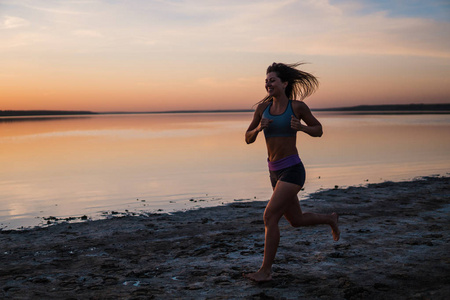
x=76, y=166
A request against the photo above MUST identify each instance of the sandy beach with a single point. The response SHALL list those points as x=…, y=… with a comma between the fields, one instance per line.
x=394, y=245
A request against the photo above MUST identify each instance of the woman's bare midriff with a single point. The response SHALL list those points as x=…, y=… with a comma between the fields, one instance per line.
x=280, y=147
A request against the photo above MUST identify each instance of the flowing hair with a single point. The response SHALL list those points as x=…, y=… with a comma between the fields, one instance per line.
x=300, y=84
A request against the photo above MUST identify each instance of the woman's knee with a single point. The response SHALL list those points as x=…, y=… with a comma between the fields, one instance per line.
x=270, y=218
x=297, y=222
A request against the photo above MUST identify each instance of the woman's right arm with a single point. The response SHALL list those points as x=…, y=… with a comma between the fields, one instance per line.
x=255, y=126
x=253, y=130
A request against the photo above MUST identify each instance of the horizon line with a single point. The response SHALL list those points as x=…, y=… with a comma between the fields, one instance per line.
x=420, y=107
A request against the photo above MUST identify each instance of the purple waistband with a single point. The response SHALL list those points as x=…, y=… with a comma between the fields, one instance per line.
x=283, y=163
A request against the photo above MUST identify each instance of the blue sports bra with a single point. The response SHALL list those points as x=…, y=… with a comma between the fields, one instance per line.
x=281, y=124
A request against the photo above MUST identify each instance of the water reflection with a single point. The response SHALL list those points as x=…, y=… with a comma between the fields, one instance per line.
x=82, y=166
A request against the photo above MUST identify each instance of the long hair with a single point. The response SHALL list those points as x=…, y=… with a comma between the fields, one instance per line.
x=300, y=84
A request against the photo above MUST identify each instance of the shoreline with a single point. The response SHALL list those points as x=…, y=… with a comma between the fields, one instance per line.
x=413, y=108
x=394, y=245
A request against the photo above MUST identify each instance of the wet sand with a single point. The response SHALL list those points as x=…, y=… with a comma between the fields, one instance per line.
x=394, y=245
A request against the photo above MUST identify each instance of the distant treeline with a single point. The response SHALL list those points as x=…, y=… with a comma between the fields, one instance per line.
x=19, y=113
x=393, y=108
x=179, y=111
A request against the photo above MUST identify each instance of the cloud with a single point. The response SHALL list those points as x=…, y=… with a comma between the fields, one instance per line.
x=21, y=40
x=377, y=34
x=87, y=33
x=309, y=28
x=10, y=22
x=52, y=7
x=313, y=27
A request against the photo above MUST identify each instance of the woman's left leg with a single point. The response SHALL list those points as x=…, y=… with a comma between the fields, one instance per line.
x=297, y=218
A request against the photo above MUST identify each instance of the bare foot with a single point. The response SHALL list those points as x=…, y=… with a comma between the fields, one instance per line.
x=259, y=276
x=334, y=227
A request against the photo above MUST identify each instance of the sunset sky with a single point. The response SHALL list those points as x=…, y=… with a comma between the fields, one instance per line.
x=136, y=55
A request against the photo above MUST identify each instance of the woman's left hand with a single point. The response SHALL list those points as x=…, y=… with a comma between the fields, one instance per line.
x=295, y=123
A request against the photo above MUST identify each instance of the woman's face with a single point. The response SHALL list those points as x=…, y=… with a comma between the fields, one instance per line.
x=274, y=86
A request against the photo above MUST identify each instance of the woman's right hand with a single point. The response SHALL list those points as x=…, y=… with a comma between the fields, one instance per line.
x=264, y=124
x=257, y=125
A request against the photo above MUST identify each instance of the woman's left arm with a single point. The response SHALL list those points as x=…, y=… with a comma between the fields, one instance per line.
x=312, y=127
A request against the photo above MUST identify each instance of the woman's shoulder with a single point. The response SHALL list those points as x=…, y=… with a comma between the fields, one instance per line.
x=298, y=104
x=262, y=106
x=299, y=107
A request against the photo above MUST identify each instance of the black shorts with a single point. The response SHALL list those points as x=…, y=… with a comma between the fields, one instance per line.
x=295, y=174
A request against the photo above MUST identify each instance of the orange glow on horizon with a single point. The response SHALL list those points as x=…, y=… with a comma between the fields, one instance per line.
x=136, y=94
